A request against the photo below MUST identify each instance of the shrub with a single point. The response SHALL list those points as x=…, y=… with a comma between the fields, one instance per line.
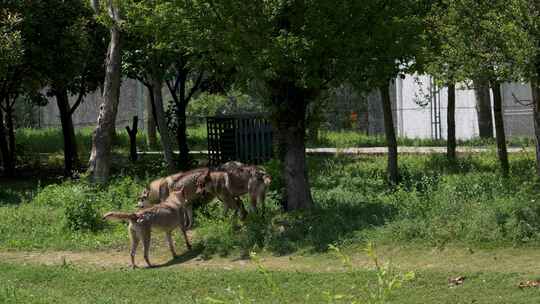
x=58, y=195
x=83, y=216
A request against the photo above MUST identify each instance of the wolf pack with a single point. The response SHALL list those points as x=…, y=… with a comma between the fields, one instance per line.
x=167, y=203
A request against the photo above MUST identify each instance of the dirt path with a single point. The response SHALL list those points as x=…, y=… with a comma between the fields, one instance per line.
x=520, y=260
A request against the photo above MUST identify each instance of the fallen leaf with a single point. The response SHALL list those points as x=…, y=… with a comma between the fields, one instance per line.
x=528, y=284
x=456, y=281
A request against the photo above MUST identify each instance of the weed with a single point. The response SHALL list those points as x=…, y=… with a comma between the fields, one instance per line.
x=387, y=281
x=83, y=216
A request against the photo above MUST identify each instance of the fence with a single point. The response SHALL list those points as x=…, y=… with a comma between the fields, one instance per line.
x=246, y=138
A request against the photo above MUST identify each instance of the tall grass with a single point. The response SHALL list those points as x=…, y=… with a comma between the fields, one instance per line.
x=50, y=140
x=346, y=139
x=436, y=203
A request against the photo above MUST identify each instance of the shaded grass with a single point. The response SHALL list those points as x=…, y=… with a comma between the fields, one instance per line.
x=436, y=203
x=47, y=284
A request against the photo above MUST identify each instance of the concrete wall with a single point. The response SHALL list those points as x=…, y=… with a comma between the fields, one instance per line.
x=412, y=104
x=131, y=103
x=415, y=121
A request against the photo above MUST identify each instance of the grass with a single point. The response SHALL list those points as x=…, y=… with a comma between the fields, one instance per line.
x=47, y=284
x=445, y=219
x=346, y=139
x=437, y=203
x=50, y=140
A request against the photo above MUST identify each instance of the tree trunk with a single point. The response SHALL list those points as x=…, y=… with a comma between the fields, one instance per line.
x=499, y=127
x=151, y=139
x=289, y=117
x=483, y=109
x=535, y=85
x=451, y=122
x=392, y=168
x=95, y=5
x=68, y=131
x=181, y=136
x=161, y=120
x=7, y=162
x=132, y=133
x=11, y=134
x=100, y=157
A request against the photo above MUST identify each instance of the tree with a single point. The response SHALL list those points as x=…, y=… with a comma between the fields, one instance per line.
x=147, y=58
x=527, y=25
x=165, y=36
x=446, y=70
x=151, y=138
x=67, y=56
x=11, y=58
x=482, y=37
x=100, y=157
x=390, y=45
x=483, y=108
x=291, y=50
x=294, y=50
x=524, y=16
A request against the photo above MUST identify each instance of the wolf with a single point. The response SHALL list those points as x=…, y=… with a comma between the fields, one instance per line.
x=235, y=182
x=165, y=216
x=159, y=189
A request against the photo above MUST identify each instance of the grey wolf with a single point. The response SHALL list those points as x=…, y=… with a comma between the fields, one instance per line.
x=165, y=216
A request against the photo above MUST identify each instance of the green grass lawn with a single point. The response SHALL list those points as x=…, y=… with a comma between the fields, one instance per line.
x=29, y=283
x=450, y=219
x=347, y=138
x=49, y=140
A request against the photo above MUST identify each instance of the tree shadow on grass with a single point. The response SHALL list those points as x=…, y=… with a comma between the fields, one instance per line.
x=316, y=229
x=8, y=197
x=461, y=165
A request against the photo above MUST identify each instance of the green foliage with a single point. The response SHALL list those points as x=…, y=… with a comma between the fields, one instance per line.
x=211, y=104
x=478, y=40
x=388, y=279
x=65, y=47
x=68, y=215
x=11, y=44
x=83, y=216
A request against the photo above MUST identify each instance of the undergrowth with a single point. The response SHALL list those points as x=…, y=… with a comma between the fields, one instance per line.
x=436, y=203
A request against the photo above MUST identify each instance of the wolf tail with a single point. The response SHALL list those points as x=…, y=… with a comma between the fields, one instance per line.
x=120, y=216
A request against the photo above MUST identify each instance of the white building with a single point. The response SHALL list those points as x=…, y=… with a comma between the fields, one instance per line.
x=420, y=109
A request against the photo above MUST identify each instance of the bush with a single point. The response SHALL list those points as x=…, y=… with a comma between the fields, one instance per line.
x=59, y=195
x=83, y=216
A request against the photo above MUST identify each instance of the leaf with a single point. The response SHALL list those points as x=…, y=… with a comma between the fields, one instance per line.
x=529, y=284
x=456, y=281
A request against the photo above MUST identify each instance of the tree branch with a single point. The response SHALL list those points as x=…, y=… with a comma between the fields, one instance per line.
x=13, y=103
x=195, y=86
x=78, y=102
x=525, y=102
